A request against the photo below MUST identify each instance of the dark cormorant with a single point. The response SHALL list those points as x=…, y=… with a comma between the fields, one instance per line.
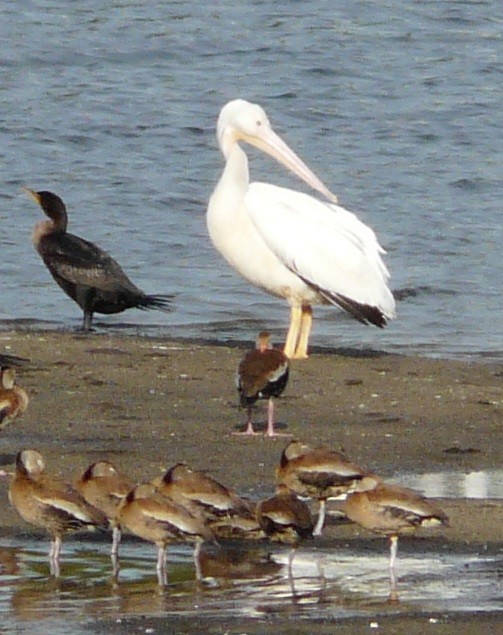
x=86, y=273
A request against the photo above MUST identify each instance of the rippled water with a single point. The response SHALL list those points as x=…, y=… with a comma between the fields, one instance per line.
x=396, y=105
x=241, y=583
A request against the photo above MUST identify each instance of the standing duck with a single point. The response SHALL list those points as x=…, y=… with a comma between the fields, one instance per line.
x=13, y=399
x=286, y=519
x=391, y=511
x=262, y=374
x=318, y=473
x=103, y=486
x=148, y=514
x=85, y=272
x=49, y=503
x=227, y=514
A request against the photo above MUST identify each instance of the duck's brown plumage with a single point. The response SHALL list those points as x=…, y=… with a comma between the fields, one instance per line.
x=201, y=494
x=227, y=514
x=285, y=518
x=391, y=511
x=319, y=473
x=13, y=399
x=154, y=517
x=148, y=514
x=48, y=502
x=262, y=374
x=103, y=486
x=242, y=525
x=85, y=272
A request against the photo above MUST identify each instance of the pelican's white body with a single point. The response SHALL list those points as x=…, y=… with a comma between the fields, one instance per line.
x=235, y=235
x=287, y=242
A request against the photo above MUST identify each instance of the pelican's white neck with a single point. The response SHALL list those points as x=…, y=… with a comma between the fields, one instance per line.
x=236, y=174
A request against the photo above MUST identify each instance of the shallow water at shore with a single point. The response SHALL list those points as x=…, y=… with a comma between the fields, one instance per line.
x=480, y=484
x=243, y=582
x=250, y=581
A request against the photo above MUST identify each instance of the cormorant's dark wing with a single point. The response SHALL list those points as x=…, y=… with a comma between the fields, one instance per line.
x=80, y=262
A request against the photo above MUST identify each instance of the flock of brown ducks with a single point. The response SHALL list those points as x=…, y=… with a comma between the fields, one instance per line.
x=186, y=505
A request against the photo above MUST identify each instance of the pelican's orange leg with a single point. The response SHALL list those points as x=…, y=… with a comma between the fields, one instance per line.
x=306, y=322
x=293, y=331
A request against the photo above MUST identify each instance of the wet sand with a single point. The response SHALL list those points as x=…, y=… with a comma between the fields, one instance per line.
x=148, y=403
x=437, y=624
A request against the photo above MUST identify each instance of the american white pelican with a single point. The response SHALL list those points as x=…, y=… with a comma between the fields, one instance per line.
x=289, y=243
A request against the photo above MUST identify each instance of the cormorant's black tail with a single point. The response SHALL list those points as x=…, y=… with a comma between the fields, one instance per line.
x=12, y=360
x=160, y=302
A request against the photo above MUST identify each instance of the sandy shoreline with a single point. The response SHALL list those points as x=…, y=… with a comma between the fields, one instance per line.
x=148, y=403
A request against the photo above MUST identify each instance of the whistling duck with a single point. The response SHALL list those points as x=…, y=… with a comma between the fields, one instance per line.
x=103, y=486
x=13, y=399
x=241, y=525
x=391, y=511
x=285, y=518
x=262, y=374
x=205, y=497
x=48, y=502
x=317, y=473
x=148, y=514
x=85, y=272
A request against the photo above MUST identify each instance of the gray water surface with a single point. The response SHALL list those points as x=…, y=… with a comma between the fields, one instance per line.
x=397, y=106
